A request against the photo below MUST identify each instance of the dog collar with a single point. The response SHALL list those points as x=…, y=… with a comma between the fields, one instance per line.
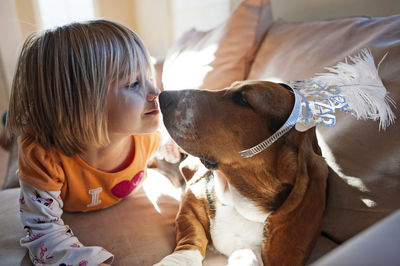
x=355, y=88
x=290, y=122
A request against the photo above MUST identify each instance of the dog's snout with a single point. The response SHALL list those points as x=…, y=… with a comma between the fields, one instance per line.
x=167, y=100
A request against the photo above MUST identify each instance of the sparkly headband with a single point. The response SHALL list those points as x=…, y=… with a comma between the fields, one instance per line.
x=355, y=88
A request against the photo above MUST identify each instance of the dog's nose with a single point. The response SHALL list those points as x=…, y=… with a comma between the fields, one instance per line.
x=168, y=100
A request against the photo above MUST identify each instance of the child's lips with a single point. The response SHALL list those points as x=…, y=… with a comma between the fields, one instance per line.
x=154, y=109
x=153, y=112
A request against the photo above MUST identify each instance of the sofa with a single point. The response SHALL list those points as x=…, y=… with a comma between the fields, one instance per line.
x=361, y=224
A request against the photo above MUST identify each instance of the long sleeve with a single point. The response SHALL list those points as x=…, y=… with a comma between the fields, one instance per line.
x=48, y=239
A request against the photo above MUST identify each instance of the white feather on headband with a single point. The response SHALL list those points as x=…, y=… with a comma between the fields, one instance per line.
x=351, y=87
x=354, y=88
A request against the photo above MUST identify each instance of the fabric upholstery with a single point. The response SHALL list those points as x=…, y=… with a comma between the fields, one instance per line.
x=11, y=228
x=379, y=245
x=216, y=58
x=139, y=230
x=133, y=230
x=364, y=183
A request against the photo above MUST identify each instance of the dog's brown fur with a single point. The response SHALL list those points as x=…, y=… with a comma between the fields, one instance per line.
x=288, y=179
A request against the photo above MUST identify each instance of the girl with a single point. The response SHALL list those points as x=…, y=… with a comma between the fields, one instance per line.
x=86, y=112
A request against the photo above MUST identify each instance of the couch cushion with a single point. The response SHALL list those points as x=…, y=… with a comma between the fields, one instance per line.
x=11, y=228
x=364, y=183
x=378, y=245
x=227, y=50
x=138, y=231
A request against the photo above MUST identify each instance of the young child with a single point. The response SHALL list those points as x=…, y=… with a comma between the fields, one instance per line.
x=86, y=113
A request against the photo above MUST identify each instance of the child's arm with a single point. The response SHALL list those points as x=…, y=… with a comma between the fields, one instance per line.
x=50, y=241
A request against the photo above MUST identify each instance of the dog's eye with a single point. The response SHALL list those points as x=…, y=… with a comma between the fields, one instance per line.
x=240, y=99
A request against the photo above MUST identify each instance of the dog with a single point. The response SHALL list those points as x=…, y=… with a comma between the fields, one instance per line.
x=263, y=210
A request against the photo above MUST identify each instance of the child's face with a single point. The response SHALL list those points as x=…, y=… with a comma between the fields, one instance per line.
x=132, y=109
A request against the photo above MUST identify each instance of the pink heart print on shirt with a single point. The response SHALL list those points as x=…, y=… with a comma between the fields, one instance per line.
x=124, y=188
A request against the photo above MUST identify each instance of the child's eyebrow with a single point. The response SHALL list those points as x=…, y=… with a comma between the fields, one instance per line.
x=128, y=79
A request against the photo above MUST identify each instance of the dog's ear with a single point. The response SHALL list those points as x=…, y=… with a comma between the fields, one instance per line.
x=303, y=209
x=280, y=106
x=286, y=86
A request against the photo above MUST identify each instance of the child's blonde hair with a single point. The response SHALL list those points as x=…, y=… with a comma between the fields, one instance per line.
x=62, y=78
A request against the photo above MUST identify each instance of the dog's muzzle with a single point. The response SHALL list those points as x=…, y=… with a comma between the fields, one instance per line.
x=168, y=100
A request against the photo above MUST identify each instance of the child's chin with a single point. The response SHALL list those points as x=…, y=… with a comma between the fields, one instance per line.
x=152, y=128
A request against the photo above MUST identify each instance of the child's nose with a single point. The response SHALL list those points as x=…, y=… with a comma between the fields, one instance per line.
x=153, y=94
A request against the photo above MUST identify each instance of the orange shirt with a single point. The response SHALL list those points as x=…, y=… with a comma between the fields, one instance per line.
x=83, y=188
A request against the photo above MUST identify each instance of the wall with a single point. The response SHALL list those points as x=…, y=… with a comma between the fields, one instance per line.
x=4, y=88
x=154, y=25
x=9, y=47
x=28, y=17
x=162, y=22
x=121, y=11
x=202, y=15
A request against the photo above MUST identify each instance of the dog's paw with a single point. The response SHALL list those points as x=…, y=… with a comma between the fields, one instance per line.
x=243, y=257
x=182, y=258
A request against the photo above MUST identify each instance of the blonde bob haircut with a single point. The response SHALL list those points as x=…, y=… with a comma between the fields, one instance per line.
x=62, y=79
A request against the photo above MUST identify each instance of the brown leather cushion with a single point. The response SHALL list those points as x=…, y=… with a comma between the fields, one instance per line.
x=365, y=182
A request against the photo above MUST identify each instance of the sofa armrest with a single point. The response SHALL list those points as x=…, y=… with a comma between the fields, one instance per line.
x=378, y=245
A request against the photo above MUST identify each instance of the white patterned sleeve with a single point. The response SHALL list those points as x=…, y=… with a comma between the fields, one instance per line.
x=47, y=238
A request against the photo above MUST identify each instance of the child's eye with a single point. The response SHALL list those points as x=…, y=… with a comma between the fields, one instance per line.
x=134, y=86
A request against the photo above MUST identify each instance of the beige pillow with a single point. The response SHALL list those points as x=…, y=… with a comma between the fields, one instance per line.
x=216, y=58
x=364, y=185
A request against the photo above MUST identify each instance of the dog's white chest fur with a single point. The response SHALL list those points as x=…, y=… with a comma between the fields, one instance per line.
x=237, y=224
x=230, y=231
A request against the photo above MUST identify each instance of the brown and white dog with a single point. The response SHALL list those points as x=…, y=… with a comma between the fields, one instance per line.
x=263, y=210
